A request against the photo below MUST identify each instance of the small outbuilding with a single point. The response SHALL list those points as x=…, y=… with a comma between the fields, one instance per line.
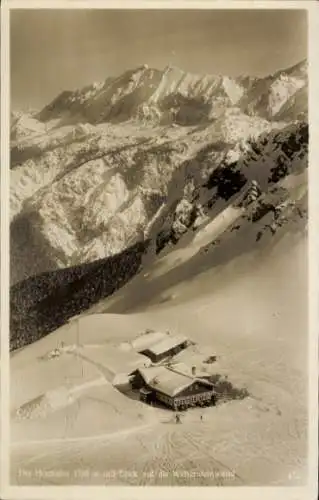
x=168, y=346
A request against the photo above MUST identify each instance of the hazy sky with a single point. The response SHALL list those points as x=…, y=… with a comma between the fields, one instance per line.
x=55, y=50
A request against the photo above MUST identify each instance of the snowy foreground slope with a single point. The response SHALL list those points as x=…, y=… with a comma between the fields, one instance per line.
x=161, y=200
x=69, y=422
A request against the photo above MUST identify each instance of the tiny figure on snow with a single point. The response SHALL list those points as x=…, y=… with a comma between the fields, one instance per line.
x=177, y=418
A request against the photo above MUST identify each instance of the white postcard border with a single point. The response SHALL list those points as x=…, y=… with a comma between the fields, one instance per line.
x=185, y=493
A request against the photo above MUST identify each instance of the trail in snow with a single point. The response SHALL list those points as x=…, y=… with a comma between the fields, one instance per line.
x=107, y=436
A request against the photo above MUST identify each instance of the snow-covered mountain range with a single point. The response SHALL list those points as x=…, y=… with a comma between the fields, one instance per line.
x=154, y=157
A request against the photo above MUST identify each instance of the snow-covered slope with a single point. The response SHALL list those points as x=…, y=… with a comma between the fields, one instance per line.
x=25, y=125
x=243, y=310
x=236, y=194
x=267, y=96
x=85, y=200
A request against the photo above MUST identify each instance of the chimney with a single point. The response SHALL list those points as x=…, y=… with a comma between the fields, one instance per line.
x=193, y=370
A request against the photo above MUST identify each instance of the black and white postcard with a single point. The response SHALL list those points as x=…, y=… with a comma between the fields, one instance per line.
x=158, y=285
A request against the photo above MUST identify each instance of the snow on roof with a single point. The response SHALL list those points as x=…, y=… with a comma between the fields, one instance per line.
x=150, y=373
x=187, y=370
x=166, y=344
x=146, y=340
x=114, y=360
x=168, y=381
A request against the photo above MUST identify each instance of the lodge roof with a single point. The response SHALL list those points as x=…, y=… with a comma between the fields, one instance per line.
x=185, y=369
x=168, y=381
x=146, y=340
x=115, y=361
x=167, y=344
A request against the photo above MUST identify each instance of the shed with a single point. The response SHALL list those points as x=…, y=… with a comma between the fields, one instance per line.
x=169, y=346
x=148, y=339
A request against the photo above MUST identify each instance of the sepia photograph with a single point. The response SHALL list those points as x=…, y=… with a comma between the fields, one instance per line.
x=159, y=331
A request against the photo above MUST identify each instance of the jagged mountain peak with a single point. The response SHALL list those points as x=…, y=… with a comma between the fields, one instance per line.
x=165, y=95
x=299, y=68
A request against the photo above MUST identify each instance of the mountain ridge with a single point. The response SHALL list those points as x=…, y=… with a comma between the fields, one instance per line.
x=145, y=85
x=154, y=169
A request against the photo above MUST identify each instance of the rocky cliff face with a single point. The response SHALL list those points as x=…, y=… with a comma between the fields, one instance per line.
x=151, y=156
